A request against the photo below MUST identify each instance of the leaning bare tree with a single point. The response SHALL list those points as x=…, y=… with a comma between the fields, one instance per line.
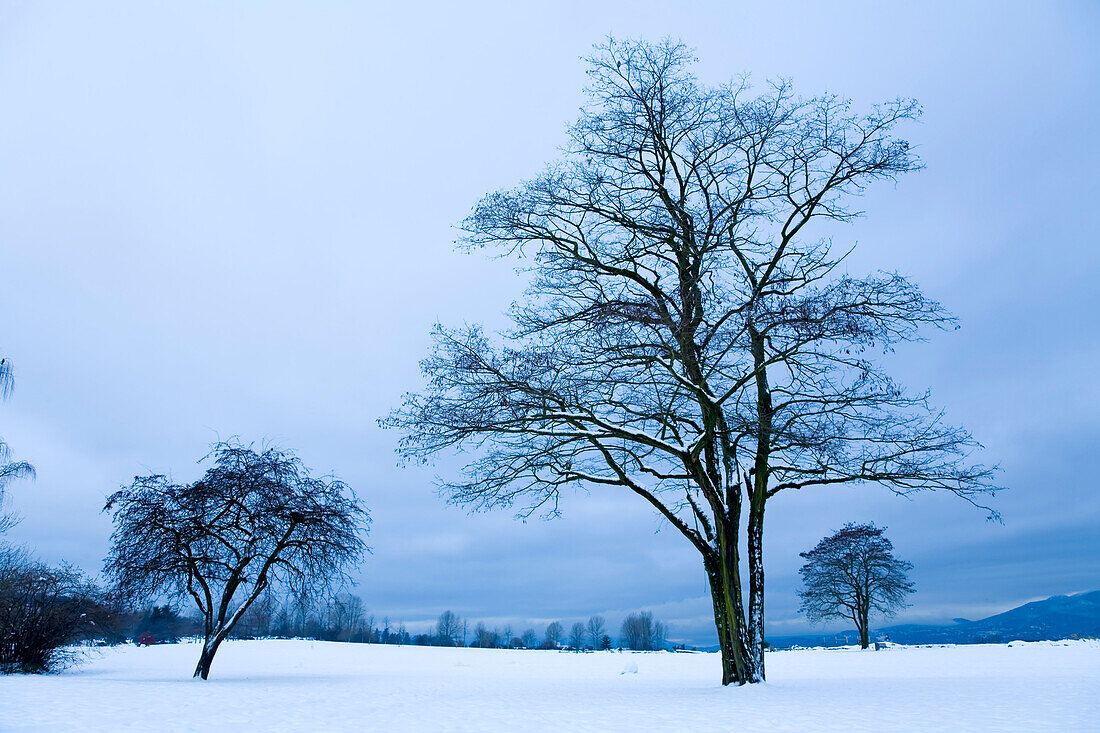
x=256, y=519
x=684, y=338
x=9, y=469
x=853, y=574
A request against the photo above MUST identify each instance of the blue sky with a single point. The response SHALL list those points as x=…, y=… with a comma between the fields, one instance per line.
x=220, y=220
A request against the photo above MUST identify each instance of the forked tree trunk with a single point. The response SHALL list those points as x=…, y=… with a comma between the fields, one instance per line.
x=740, y=663
x=864, y=628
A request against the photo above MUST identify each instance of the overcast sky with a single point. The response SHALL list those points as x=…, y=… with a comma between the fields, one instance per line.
x=239, y=220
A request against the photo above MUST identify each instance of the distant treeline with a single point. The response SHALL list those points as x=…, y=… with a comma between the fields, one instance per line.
x=345, y=618
x=44, y=610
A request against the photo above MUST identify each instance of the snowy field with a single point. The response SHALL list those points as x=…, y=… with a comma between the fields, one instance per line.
x=317, y=686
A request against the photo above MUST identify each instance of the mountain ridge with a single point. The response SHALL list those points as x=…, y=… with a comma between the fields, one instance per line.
x=1057, y=617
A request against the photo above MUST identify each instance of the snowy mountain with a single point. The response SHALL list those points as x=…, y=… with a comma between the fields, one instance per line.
x=1058, y=617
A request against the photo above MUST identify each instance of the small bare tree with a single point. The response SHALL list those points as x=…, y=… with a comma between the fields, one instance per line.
x=686, y=337
x=254, y=520
x=641, y=632
x=553, y=636
x=577, y=635
x=596, y=628
x=484, y=637
x=449, y=629
x=853, y=574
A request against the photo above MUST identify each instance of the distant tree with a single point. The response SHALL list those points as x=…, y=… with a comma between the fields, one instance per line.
x=687, y=335
x=641, y=632
x=484, y=637
x=596, y=627
x=449, y=629
x=605, y=643
x=577, y=635
x=345, y=619
x=9, y=469
x=529, y=639
x=554, y=633
x=853, y=574
x=43, y=610
x=254, y=520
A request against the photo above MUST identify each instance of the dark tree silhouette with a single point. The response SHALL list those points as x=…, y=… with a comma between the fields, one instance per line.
x=9, y=469
x=684, y=338
x=853, y=574
x=253, y=521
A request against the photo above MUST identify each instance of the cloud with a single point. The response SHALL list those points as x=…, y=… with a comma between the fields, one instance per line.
x=219, y=221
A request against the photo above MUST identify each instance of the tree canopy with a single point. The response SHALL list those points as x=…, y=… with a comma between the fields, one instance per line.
x=685, y=337
x=256, y=519
x=853, y=574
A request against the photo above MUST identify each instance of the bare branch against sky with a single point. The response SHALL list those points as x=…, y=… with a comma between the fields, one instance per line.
x=239, y=220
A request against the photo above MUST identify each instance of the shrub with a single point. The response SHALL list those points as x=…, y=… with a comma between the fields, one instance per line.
x=43, y=610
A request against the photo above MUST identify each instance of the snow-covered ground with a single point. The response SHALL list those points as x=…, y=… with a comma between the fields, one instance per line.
x=307, y=686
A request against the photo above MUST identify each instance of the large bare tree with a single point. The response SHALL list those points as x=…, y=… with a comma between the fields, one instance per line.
x=685, y=337
x=853, y=574
x=255, y=520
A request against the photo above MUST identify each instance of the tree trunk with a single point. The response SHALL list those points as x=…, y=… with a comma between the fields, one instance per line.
x=756, y=485
x=209, y=649
x=755, y=651
x=723, y=573
x=863, y=628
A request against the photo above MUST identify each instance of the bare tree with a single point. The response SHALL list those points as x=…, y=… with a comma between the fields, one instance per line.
x=641, y=632
x=683, y=337
x=484, y=637
x=449, y=629
x=596, y=628
x=346, y=619
x=577, y=635
x=852, y=574
x=9, y=469
x=553, y=636
x=255, y=519
x=530, y=639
